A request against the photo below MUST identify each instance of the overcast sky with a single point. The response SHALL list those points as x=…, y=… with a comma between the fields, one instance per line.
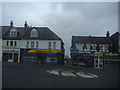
x=64, y=18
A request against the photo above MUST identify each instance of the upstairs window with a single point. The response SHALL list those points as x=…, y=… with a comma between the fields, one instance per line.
x=93, y=47
x=103, y=47
x=80, y=47
x=54, y=45
x=37, y=44
x=13, y=32
x=88, y=47
x=32, y=44
x=27, y=44
x=33, y=33
x=49, y=45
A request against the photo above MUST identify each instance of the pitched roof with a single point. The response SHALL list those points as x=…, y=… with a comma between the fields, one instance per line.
x=90, y=40
x=44, y=33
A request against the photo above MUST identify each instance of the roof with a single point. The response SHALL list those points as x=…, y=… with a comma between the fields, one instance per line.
x=44, y=33
x=90, y=40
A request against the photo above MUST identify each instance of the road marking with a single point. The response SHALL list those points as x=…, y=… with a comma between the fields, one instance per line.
x=92, y=75
x=82, y=74
x=72, y=73
x=68, y=73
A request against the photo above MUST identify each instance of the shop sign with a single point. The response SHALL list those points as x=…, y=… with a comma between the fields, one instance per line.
x=82, y=54
x=111, y=54
x=98, y=54
x=44, y=51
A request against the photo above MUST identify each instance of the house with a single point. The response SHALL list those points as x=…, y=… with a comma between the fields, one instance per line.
x=89, y=50
x=11, y=41
x=32, y=44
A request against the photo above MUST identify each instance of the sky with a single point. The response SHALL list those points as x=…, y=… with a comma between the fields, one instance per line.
x=64, y=18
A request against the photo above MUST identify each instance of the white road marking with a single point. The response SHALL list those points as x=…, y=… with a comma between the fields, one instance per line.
x=92, y=75
x=82, y=74
x=55, y=71
x=68, y=73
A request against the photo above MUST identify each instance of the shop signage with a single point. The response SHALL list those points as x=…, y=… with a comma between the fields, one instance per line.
x=98, y=54
x=44, y=51
x=82, y=54
x=111, y=54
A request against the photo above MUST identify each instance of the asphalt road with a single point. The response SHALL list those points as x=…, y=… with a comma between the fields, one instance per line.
x=37, y=76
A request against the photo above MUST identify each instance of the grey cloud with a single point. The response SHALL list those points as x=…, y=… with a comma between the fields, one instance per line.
x=66, y=18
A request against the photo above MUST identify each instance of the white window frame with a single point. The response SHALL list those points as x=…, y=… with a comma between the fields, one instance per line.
x=13, y=33
x=37, y=44
x=103, y=47
x=33, y=33
x=49, y=45
x=93, y=47
x=32, y=44
x=88, y=47
x=54, y=45
x=79, y=47
x=27, y=44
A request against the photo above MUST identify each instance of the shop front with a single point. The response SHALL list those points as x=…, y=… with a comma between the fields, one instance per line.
x=98, y=60
x=43, y=56
x=11, y=55
x=111, y=60
x=82, y=59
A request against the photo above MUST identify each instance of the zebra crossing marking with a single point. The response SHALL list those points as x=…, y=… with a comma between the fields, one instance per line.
x=72, y=73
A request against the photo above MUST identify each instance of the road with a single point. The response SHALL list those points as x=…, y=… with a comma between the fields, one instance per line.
x=48, y=76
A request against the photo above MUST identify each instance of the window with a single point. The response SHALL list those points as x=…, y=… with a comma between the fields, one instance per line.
x=15, y=43
x=93, y=47
x=36, y=44
x=13, y=33
x=32, y=44
x=106, y=48
x=103, y=47
x=11, y=43
x=88, y=47
x=54, y=45
x=34, y=33
x=7, y=43
x=79, y=47
x=27, y=44
x=49, y=45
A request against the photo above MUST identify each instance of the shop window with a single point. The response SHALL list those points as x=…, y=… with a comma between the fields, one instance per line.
x=10, y=55
x=106, y=62
x=96, y=61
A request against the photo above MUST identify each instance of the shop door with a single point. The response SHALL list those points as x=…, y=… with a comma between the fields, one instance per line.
x=15, y=57
x=98, y=62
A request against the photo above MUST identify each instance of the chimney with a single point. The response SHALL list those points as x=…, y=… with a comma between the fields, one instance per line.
x=11, y=24
x=25, y=25
x=108, y=34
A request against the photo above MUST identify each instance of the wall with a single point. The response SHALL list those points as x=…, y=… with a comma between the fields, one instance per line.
x=43, y=44
x=5, y=44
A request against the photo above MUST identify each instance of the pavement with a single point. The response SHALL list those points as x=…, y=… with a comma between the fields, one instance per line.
x=32, y=75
